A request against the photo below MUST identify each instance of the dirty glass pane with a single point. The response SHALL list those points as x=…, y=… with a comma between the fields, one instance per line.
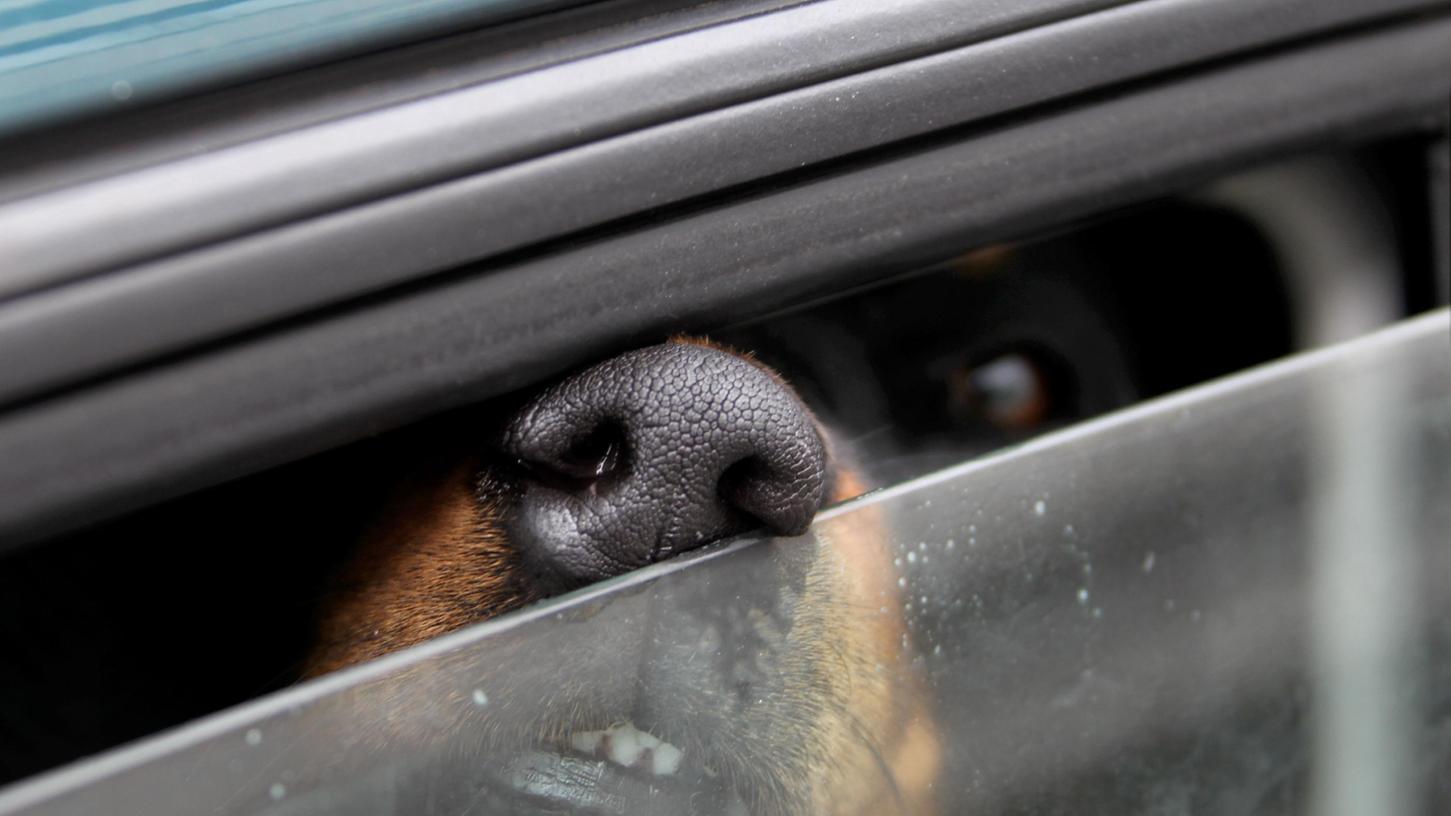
x=1232, y=600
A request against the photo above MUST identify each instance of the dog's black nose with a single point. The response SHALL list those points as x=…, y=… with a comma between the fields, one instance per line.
x=656, y=452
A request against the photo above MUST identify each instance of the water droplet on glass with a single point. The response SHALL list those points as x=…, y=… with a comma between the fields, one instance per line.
x=480, y=698
x=277, y=791
x=254, y=737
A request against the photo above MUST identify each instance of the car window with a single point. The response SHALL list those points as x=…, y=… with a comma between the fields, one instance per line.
x=993, y=347
x=1177, y=606
x=270, y=542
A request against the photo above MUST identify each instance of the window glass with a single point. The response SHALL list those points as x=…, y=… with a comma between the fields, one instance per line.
x=1232, y=599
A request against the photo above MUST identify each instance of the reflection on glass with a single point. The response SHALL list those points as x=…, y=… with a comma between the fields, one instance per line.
x=61, y=57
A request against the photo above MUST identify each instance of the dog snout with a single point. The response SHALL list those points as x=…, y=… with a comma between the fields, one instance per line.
x=656, y=452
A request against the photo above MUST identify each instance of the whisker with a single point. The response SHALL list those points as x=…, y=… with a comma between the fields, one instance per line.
x=864, y=734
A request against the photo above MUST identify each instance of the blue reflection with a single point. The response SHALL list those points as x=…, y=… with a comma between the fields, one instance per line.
x=63, y=57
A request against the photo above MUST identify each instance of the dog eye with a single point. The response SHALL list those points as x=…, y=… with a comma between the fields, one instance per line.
x=1013, y=391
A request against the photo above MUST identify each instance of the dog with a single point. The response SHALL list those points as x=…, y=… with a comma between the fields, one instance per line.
x=816, y=703
x=807, y=704
x=778, y=678
x=783, y=678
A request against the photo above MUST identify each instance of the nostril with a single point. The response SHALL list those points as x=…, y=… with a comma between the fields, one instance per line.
x=782, y=502
x=598, y=454
x=588, y=462
x=735, y=487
